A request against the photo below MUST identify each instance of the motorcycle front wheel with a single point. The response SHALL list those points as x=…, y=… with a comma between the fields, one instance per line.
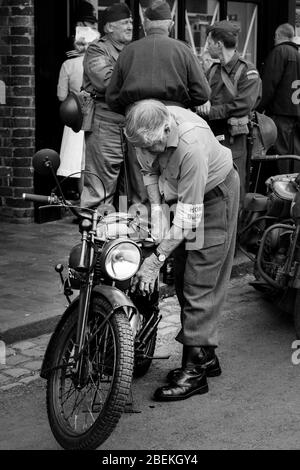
x=83, y=412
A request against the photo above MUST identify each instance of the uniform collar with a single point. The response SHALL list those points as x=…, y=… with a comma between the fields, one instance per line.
x=117, y=45
x=157, y=30
x=232, y=63
x=288, y=43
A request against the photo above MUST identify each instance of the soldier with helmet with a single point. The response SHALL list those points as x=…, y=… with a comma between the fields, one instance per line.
x=236, y=91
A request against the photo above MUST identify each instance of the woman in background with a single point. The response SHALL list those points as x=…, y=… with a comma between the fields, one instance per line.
x=72, y=151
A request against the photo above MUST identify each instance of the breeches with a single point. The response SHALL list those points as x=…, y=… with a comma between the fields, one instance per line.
x=201, y=276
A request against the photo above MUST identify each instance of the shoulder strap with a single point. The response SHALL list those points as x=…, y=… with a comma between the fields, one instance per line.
x=238, y=74
x=211, y=73
x=232, y=86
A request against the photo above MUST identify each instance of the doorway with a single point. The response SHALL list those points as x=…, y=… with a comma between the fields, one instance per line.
x=52, y=28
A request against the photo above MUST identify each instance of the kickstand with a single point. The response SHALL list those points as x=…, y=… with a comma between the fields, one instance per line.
x=129, y=407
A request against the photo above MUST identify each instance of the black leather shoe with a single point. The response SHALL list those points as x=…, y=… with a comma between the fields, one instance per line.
x=204, y=356
x=189, y=381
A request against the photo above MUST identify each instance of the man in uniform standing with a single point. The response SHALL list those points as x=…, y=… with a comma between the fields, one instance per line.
x=236, y=91
x=183, y=163
x=280, y=94
x=104, y=143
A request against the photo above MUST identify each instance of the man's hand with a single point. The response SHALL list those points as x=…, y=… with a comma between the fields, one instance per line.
x=159, y=223
x=204, y=109
x=145, y=278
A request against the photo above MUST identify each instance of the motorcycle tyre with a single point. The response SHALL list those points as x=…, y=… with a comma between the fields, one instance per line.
x=118, y=395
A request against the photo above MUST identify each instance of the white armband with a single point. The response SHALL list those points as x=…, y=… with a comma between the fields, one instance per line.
x=188, y=216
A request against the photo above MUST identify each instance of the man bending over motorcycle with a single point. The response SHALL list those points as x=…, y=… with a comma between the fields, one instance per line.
x=183, y=163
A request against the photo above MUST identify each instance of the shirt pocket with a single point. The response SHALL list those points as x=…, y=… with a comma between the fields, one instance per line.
x=215, y=222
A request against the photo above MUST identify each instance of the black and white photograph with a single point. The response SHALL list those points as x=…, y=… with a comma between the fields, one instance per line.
x=149, y=228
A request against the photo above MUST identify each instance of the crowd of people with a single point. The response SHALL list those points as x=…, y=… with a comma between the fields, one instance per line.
x=166, y=131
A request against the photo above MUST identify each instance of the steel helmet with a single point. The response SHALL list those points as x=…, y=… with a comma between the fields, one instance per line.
x=70, y=112
x=264, y=134
x=268, y=130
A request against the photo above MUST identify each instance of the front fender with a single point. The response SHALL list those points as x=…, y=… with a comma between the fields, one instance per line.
x=115, y=297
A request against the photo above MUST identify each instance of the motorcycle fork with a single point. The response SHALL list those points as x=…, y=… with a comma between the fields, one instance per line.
x=84, y=304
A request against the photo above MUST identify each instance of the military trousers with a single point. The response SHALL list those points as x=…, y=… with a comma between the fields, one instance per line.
x=104, y=157
x=106, y=176
x=202, y=275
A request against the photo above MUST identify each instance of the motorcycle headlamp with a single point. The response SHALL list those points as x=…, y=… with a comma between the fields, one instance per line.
x=120, y=259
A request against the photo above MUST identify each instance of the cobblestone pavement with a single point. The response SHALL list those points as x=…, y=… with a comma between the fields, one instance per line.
x=23, y=360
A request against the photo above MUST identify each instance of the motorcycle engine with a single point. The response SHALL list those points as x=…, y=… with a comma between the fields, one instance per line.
x=277, y=203
x=281, y=191
x=274, y=255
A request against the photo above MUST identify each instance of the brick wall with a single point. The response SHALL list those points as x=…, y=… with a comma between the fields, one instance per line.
x=17, y=108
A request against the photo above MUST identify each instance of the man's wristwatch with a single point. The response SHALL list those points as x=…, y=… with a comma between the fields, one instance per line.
x=160, y=256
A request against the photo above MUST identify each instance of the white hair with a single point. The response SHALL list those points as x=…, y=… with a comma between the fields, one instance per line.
x=146, y=121
x=162, y=24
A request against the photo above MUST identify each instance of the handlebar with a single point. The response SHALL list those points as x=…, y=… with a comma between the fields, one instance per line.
x=271, y=158
x=39, y=198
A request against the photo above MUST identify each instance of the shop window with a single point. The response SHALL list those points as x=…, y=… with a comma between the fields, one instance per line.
x=198, y=16
x=245, y=15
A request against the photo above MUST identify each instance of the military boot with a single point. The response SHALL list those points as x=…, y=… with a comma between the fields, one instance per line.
x=207, y=359
x=190, y=379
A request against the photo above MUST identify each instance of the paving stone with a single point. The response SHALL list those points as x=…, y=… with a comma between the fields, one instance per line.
x=4, y=379
x=15, y=360
x=17, y=372
x=22, y=345
x=42, y=341
x=33, y=352
x=33, y=365
x=9, y=352
x=31, y=378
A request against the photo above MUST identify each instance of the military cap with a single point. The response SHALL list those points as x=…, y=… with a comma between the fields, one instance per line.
x=86, y=12
x=116, y=12
x=224, y=26
x=159, y=11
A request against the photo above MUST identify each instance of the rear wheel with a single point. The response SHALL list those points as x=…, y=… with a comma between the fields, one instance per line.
x=83, y=413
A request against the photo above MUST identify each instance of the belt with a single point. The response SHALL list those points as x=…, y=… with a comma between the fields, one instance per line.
x=217, y=191
x=212, y=194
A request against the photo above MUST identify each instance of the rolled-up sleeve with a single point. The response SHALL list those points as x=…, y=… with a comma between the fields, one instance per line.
x=149, y=167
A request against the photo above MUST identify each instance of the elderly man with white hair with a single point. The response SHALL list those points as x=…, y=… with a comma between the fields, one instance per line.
x=184, y=164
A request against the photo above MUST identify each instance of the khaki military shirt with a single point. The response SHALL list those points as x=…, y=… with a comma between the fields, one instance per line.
x=193, y=163
x=99, y=61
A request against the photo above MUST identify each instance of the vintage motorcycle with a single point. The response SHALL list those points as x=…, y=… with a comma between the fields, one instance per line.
x=269, y=234
x=107, y=334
